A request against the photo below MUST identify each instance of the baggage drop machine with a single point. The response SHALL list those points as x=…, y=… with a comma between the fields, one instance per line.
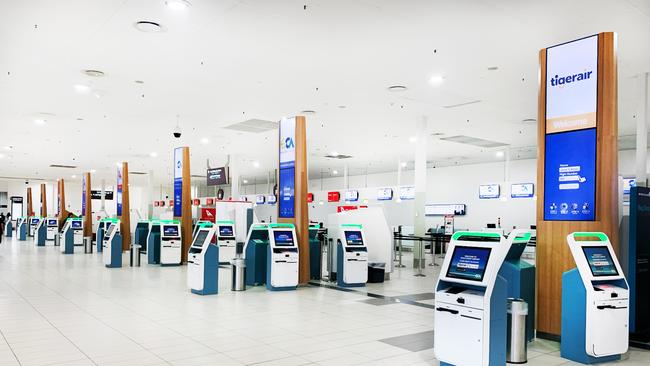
x=112, y=243
x=203, y=263
x=351, y=257
x=226, y=241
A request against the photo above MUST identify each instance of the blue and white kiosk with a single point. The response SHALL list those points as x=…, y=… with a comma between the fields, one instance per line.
x=271, y=254
x=40, y=231
x=77, y=227
x=595, y=302
x=52, y=228
x=471, y=301
x=203, y=263
x=22, y=228
x=9, y=229
x=112, y=243
x=226, y=241
x=67, y=238
x=351, y=257
x=170, y=243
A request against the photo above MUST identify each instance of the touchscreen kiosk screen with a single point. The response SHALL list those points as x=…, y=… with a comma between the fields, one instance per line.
x=600, y=261
x=353, y=238
x=52, y=223
x=110, y=231
x=170, y=230
x=283, y=238
x=225, y=231
x=76, y=224
x=469, y=263
x=35, y=221
x=200, y=238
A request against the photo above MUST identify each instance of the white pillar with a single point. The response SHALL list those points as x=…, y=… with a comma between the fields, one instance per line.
x=642, y=137
x=233, y=167
x=420, y=186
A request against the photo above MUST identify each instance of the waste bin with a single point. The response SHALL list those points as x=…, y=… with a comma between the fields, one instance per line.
x=88, y=244
x=135, y=255
x=238, y=274
x=376, y=271
x=517, y=347
x=57, y=239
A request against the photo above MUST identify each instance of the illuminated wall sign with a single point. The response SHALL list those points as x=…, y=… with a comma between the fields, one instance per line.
x=489, y=191
x=407, y=193
x=310, y=197
x=260, y=199
x=385, y=194
x=271, y=199
x=352, y=195
x=333, y=196
x=178, y=181
x=522, y=190
x=119, y=192
x=287, y=175
x=570, y=147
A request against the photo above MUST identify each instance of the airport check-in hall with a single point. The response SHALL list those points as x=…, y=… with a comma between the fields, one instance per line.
x=324, y=182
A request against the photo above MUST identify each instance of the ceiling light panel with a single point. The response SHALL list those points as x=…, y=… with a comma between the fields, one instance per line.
x=468, y=140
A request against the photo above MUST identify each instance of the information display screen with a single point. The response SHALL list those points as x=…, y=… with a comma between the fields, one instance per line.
x=217, y=176
x=385, y=194
x=469, y=263
x=76, y=224
x=287, y=193
x=628, y=183
x=52, y=223
x=352, y=195
x=271, y=199
x=283, y=238
x=444, y=209
x=170, y=230
x=354, y=237
x=109, y=231
x=522, y=190
x=225, y=230
x=600, y=261
x=489, y=191
x=35, y=221
x=260, y=199
x=199, y=239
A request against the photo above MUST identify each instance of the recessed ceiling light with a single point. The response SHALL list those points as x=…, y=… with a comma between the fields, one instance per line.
x=153, y=154
x=493, y=68
x=308, y=111
x=74, y=176
x=256, y=164
x=139, y=81
x=436, y=80
x=93, y=171
x=39, y=121
x=413, y=139
x=245, y=181
x=147, y=26
x=9, y=147
x=99, y=93
x=93, y=73
x=2, y=156
x=205, y=141
x=81, y=88
x=321, y=203
x=403, y=164
x=397, y=88
x=178, y=4
x=335, y=172
x=334, y=153
x=499, y=154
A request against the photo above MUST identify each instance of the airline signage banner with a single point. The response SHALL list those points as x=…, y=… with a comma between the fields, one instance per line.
x=287, y=175
x=119, y=191
x=178, y=181
x=83, y=196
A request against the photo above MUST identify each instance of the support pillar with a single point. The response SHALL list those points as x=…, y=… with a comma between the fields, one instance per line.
x=87, y=207
x=420, y=189
x=43, y=200
x=642, y=137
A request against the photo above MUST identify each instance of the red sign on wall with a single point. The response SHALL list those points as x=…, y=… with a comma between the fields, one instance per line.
x=209, y=201
x=209, y=214
x=196, y=202
x=333, y=196
x=171, y=203
x=345, y=208
x=310, y=197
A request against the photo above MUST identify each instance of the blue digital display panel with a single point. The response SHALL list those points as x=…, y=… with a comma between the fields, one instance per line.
x=570, y=176
x=354, y=237
x=35, y=221
x=225, y=230
x=287, y=193
x=469, y=263
x=600, y=261
x=76, y=224
x=283, y=238
x=52, y=223
x=170, y=230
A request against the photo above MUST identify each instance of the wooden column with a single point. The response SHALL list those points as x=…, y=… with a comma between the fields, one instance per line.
x=62, y=213
x=553, y=254
x=125, y=219
x=301, y=219
x=88, y=215
x=186, y=205
x=43, y=200
x=30, y=210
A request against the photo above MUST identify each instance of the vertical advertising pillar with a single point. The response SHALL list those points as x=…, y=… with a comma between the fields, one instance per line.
x=123, y=210
x=43, y=200
x=292, y=186
x=86, y=205
x=30, y=210
x=577, y=166
x=182, y=197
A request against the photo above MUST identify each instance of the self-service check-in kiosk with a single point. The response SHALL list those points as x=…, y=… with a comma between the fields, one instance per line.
x=9, y=229
x=67, y=238
x=52, y=228
x=255, y=253
x=40, y=231
x=22, y=228
x=203, y=263
x=520, y=276
x=226, y=241
x=351, y=257
x=33, y=223
x=315, y=255
x=153, y=243
x=595, y=302
x=102, y=227
x=282, y=258
x=170, y=244
x=77, y=226
x=471, y=302
x=112, y=242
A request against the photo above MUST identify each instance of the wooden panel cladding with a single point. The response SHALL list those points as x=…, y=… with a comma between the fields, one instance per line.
x=301, y=220
x=62, y=211
x=30, y=210
x=553, y=254
x=43, y=200
x=125, y=219
x=186, y=205
x=88, y=217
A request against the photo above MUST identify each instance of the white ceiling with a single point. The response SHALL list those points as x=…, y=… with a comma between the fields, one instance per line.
x=223, y=62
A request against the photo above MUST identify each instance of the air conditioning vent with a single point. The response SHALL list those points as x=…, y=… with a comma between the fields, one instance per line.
x=461, y=104
x=63, y=166
x=468, y=140
x=338, y=156
x=253, y=126
x=137, y=173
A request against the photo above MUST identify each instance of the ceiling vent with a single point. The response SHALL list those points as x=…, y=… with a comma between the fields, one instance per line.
x=63, y=166
x=338, y=156
x=529, y=121
x=461, y=104
x=253, y=126
x=462, y=139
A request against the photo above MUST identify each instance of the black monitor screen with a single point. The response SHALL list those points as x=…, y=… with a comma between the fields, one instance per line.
x=35, y=221
x=76, y=224
x=469, y=263
x=600, y=261
x=52, y=223
x=200, y=238
x=354, y=238
x=283, y=238
x=225, y=230
x=170, y=230
x=110, y=230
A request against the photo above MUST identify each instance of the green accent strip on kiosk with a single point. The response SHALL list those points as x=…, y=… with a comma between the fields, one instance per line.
x=586, y=234
x=352, y=225
x=281, y=225
x=225, y=222
x=482, y=234
x=524, y=237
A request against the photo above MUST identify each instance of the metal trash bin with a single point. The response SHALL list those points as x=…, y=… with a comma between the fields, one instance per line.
x=517, y=346
x=238, y=274
x=57, y=239
x=88, y=244
x=135, y=255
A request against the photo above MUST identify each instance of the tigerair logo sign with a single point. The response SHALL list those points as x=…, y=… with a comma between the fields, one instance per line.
x=560, y=81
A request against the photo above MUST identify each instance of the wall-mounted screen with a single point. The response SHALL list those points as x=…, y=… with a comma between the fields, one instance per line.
x=445, y=209
x=469, y=263
x=407, y=193
x=97, y=195
x=225, y=230
x=260, y=199
x=52, y=223
x=271, y=199
x=600, y=261
x=522, y=190
x=385, y=194
x=283, y=238
x=170, y=230
x=627, y=184
x=489, y=191
x=353, y=237
x=352, y=195
x=217, y=176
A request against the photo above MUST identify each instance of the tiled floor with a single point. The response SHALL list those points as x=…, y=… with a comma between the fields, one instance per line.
x=69, y=310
